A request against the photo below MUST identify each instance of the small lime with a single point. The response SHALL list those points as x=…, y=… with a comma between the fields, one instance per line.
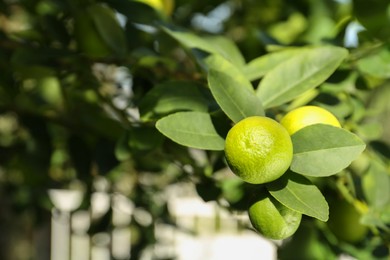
x=272, y=219
x=258, y=149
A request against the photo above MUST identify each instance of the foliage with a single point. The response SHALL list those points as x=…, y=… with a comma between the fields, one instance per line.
x=118, y=89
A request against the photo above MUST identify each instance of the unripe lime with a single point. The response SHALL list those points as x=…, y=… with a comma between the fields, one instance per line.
x=307, y=115
x=344, y=221
x=258, y=149
x=272, y=219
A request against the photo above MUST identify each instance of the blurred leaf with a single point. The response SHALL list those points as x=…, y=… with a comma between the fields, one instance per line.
x=50, y=90
x=374, y=15
x=193, y=129
x=377, y=64
x=379, y=110
x=89, y=40
x=172, y=97
x=108, y=27
x=370, y=131
x=372, y=218
x=376, y=185
x=144, y=138
x=298, y=193
x=287, y=31
x=218, y=63
x=321, y=22
x=227, y=48
x=324, y=150
x=304, y=71
x=237, y=102
x=122, y=149
x=257, y=68
x=211, y=44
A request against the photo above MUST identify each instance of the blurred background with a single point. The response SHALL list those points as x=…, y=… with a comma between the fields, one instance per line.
x=85, y=175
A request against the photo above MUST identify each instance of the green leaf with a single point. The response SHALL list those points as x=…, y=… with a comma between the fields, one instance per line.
x=298, y=193
x=172, y=97
x=237, y=102
x=374, y=16
x=377, y=64
x=304, y=71
x=324, y=150
x=192, y=129
x=108, y=27
x=374, y=218
x=122, y=149
x=145, y=138
x=258, y=67
x=219, y=63
x=212, y=44
x=376, y=185
x=227, y=48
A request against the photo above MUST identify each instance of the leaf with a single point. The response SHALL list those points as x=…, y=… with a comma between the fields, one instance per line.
x=172, y=97
x=373, y=218
x=192, y=129
x=374, y=16
x=122, y=149
x=304, y=71
x=298, y=193
x=145, y=138
x=376, y=185
x=324, y=150
x=377, y=64
x=237, y=102
x=213, y=45
x=217, y=62
x=227, y=48
x=258, y=67
x=108, y=28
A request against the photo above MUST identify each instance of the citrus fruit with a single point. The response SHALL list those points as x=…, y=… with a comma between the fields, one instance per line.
x=258, y=149
x=344, y=221
x=163, y=6
x=307, y=115
x=272, y=219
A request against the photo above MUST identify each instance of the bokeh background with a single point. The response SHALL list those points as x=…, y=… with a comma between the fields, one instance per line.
x=85, y=175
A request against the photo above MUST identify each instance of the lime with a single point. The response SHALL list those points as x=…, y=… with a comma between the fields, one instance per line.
x=272, y=219
x=307, y=115
x=344, y=221
x=258, y=149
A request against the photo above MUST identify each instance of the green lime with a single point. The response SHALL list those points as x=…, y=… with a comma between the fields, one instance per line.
x=344, y=221
x=272, y=219
x=258, y=149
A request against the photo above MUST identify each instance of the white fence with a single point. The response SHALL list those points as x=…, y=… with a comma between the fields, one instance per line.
x=202, y=230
